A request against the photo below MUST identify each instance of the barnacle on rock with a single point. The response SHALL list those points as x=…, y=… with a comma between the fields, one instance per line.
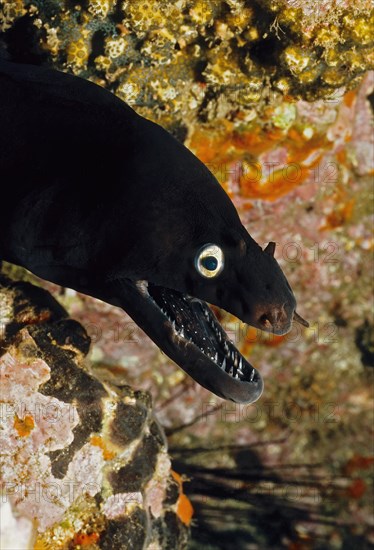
x=150, y=15
x=115, y=47
x=129, y=92
x=100, y=8
x=77, y=54
x=202, y=12
x=159, y=48
x=102, y=63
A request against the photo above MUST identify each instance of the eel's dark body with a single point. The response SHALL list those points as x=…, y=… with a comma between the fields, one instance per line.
x=99, y=199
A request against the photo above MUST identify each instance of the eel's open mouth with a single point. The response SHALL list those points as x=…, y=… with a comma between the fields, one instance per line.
x=186, y=329
x=193, y=321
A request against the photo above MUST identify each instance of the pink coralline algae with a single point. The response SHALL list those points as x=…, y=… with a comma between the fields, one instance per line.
x=26, y=473
x=82, y=463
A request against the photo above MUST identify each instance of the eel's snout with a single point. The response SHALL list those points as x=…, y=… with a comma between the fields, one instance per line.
x=275, y=318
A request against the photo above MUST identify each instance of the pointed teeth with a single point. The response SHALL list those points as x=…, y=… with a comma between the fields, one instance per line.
x=226, y=357
x=252, y=375
x=299, y=319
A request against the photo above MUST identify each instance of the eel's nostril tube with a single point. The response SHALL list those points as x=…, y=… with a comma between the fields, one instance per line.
x=265, y=321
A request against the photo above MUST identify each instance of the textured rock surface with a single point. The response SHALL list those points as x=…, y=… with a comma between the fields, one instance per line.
x=274, y=98
x=83, y=462
x=199, y=59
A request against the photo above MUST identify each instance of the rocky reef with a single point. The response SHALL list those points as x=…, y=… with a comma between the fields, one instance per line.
x=276, y=98
x=84, y=463
x=190, y=60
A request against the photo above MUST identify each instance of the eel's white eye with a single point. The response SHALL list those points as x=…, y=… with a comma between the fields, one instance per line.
x=209, y=260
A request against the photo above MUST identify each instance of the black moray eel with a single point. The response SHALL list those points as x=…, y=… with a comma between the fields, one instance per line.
x=101, y=200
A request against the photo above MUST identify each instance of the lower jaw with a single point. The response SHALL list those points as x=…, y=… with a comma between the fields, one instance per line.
x=136, y=301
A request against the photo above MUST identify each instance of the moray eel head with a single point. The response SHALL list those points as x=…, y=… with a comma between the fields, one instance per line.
x=187, y=330
x=219, y=263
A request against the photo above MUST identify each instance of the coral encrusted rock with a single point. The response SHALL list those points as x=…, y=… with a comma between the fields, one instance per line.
x=196, y=60
x=83, y=463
